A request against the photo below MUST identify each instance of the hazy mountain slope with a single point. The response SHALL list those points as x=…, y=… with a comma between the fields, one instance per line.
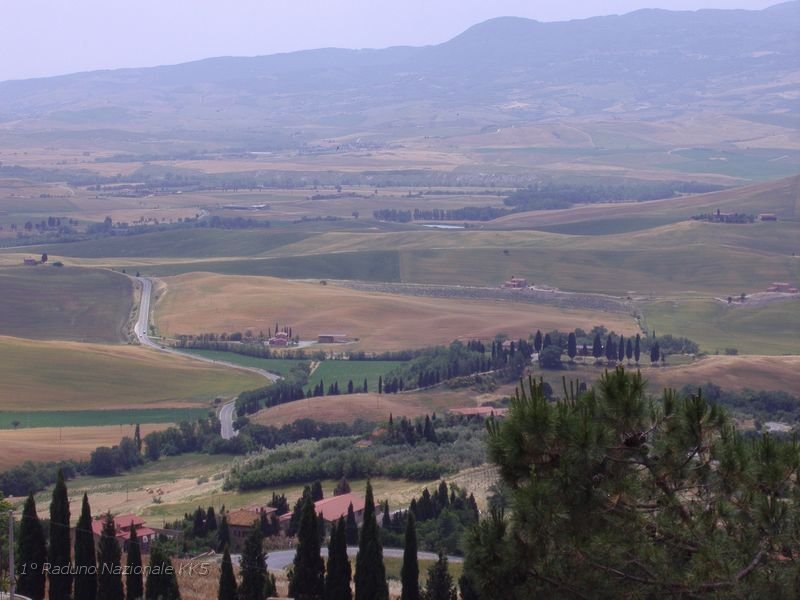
x=655, y=63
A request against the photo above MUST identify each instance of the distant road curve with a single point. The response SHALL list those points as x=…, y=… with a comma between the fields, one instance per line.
x=281, y=559
x=141, y=331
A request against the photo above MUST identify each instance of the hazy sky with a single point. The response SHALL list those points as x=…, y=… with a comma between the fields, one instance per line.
x=49, y=37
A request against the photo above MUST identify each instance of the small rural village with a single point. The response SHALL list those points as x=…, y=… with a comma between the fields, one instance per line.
x=511, y=312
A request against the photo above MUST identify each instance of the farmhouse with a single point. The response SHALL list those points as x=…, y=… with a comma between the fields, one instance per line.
x=479, y=411
x=240, y=523
x=332, y=338
x=122, y=525
x=515, y=283
x=281, y=339
x=332, y=509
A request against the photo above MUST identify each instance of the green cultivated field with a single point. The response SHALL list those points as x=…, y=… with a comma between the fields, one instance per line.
x=68, y=303
x=90, y=418
x=770, y=329
x=330, y=371
x=182, y=243
x=273, y=365
x=369, y=266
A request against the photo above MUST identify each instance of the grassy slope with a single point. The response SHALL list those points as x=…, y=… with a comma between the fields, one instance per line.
x=69, y=303
x=205, y=302
x=57, y=443
x=770, y=329
x=59, y=375
x=182, y=243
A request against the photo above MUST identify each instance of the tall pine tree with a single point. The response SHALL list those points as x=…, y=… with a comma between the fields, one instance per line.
x=370, y=571
x=253, y=567
x=162, y=584
x=409, y=572
x=307, y=581
x=227, y=580
x=338, y=576
x=32, y=550
x=109, y=581
x=58, y=553
x=134, y=584
x=85, y=556
x=637, y=351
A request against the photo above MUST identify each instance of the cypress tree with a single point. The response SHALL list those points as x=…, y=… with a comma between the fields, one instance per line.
x=32, y=550
x=610, y=354
x=134, y=584
x=85, y=557
x=307, y=581
x=161, y=581
x=316, y=491
x=655, y=353
x=439, y=585
x=137, y=438
x=211, y=520
x=223, y=534
x=227, y=580
x=572, y=346
x=409, y=572
x=597, y=347
x=629, y=350
x=537, y=341
x=547, y=341
x=253, y=567
x=636, y=349
x=621, y=348
x=351, y=527
x=59, y=550
x=380, y=384
x=337, y=578
x=370, y=571
x=109, y=581
x=467, y=588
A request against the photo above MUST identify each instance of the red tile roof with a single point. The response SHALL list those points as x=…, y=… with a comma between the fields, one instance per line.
x=336, y=506
x=122, y=523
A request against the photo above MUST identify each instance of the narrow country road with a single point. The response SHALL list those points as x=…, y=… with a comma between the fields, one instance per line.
x=281, y=559
x=141, y=330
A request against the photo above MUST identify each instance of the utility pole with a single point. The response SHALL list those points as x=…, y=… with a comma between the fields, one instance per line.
x=12, y=580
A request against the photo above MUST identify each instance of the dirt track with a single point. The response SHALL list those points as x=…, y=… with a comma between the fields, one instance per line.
x=558, y=298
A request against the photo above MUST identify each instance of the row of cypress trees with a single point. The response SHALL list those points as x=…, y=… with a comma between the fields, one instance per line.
x=88, y=580
x=310, y=580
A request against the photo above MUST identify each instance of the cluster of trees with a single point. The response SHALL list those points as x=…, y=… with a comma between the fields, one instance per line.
x=411, y=433
x=466, y=213
x=20, y=480
x=763, y=405
x=459, y=445
x=95, y=571
x=288, y=389
x=602, y=344
x=718, y=217
x=551, y=195
x=248, y=336
x=616, y=494
x=442, y=518
x=309, y=578
x=442, y=363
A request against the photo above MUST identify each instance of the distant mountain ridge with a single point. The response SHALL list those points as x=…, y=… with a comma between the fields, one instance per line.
x=652, y=63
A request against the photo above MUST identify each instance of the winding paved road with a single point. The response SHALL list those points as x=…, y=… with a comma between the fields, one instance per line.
x=281, y=559
x=141, y=328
